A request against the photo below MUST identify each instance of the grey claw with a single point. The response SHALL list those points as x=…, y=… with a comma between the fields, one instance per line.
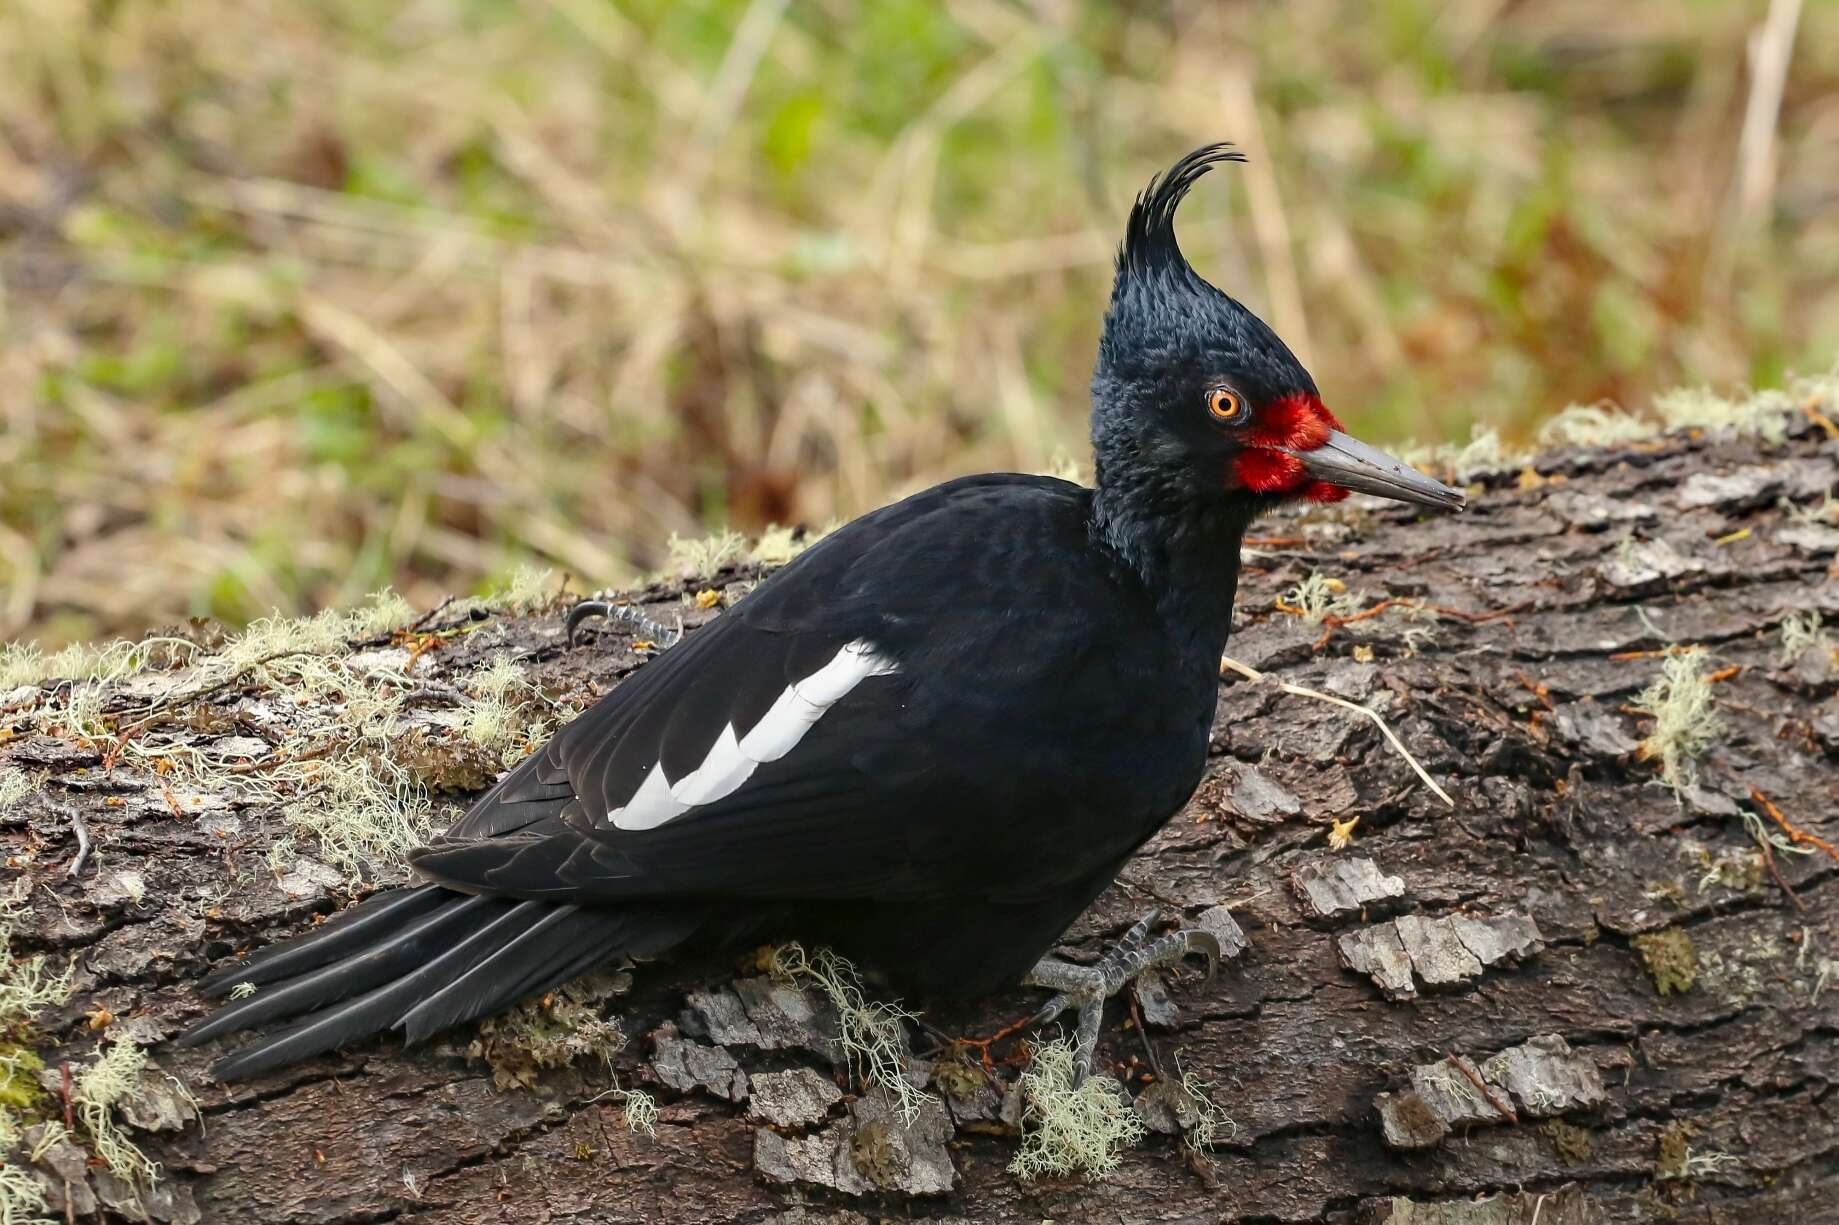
x=1051, y=1009
x=1207, y=945
x=1184, y=943
x=581, y=612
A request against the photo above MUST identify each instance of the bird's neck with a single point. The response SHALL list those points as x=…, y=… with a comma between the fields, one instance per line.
x=1186, y=554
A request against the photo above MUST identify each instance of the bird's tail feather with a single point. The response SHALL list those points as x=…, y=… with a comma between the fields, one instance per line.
x=346, y=932
x=420, y=960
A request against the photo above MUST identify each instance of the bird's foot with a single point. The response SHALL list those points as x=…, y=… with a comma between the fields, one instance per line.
x=656, y=631
x=1086, y=988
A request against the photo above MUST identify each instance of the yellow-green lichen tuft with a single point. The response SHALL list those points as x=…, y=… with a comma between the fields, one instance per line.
x=1670, y=959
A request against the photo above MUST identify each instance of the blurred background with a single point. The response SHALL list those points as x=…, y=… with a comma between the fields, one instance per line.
x=300, y=298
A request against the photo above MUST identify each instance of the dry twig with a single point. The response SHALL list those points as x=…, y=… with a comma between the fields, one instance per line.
x=1302, y=691
x=1799, y=837
x=1482, y=1087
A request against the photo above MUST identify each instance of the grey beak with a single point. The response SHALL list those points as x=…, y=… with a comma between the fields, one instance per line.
x=1351, y=464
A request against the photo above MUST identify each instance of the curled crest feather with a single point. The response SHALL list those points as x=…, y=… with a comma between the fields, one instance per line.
x=1149, y=237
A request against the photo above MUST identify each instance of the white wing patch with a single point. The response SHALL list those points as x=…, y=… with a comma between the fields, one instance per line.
x=732, y=759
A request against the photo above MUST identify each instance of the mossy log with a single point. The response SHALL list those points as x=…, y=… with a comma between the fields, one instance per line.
x=1580, y=994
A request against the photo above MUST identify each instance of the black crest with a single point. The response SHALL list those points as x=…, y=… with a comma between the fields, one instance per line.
x=1149, y=238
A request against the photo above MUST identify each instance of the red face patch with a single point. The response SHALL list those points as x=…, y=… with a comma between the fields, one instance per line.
x=1322, y=491
x=1263, y=471
x=1297, y=422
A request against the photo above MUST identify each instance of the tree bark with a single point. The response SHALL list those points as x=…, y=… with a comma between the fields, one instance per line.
x=1573, y=997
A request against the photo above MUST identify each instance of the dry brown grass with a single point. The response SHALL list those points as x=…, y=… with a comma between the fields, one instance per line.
x=299, y=300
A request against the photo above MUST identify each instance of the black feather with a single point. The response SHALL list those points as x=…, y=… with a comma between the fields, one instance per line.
x=1149, y=236
x=567, y=941
x=377, y=1010
x=345, y=932
x=388, y=955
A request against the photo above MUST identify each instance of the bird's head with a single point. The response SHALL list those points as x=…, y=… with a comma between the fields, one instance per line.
x=1195, y=401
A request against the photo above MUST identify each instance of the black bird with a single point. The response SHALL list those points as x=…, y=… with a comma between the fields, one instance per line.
x=929, y=742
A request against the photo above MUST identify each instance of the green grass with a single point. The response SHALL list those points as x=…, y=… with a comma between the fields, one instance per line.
x=300, y=301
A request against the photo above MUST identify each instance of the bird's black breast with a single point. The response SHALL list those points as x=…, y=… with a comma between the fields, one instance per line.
x=1064, y=723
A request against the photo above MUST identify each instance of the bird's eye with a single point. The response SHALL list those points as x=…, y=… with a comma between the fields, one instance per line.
x=1224, y=404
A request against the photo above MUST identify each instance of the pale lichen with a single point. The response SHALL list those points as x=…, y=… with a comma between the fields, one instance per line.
x=22, y=1199
x=100, y=1088
x=701, y=557
x=1069, y=1128
x=1686, y=720
x=778, y=545
x=15, y=785
x=341, y=763
x=872, y=1034
x=27, y=987
x=1483, y=454
x=527, y=589
x=383, y=614
x=1595, y=425
x=24, y=663
x=1824, y=513
x=1765, y=414
x=639, y=1110
x=1318, y=597
x=1211, y=1125
x=1803, y=633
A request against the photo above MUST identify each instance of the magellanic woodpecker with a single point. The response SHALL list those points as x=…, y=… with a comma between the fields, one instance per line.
x=929, y=742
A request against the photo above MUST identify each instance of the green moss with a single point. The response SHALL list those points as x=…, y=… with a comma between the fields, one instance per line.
x=1670, y=959
x=1674, y=1150
x=20, y=1091
x=554, y=1031
x=875, y=1154
x=958, y=1077
x=451, y=763
x=1572, y=1144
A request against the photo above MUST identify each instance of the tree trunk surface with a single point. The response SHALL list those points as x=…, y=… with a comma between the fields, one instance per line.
x=1576, y=996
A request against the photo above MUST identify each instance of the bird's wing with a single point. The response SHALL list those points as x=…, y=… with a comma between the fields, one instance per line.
x=771, y=754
